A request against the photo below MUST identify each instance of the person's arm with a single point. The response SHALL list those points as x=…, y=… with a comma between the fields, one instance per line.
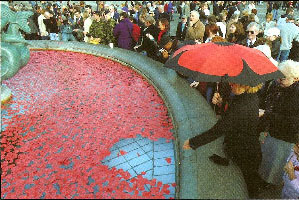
x=212, y=134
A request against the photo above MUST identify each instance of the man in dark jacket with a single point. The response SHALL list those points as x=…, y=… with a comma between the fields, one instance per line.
x=252, y=31
x=52, y=28
x=146, y=43
x=182, y=28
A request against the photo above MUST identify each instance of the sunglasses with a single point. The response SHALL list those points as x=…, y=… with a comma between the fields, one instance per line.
x=251, y=32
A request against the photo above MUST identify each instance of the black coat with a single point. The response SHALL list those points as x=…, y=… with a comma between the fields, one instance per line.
x=180, y=35
x=51, y=25
x=294, y=53
x=148, y=45
x=238, y=124
x=281, y=112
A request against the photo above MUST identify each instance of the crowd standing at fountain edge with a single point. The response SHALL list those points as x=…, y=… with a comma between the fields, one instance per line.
x=144, y=27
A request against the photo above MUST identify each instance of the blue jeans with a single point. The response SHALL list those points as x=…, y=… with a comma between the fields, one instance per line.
x=45, y=37
x=283, y=55
x=275, y=14
x=54, y=36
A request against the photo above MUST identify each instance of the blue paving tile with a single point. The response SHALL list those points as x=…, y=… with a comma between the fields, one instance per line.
x=130, y=147
x=112, y=155
x=165, y=179
x=116, y=161
x=168, y=196
x=138, y=137
x=132, y=172
x=144, y=167
x=150, y=154
x=144, y=141
x=125, y=166
x=162, y=162
x=160, y=141
x=124, y=142
x=148, y=147
x=164, y=154
x=167, y=169
x=139, y=160
x=148, y=175
x=163, y=147
x=171, y=189
x=134, y=154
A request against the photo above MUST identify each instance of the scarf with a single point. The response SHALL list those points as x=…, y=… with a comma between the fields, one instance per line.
x=160, y=35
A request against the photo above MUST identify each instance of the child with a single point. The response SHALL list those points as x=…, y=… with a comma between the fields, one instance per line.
x=291, y=177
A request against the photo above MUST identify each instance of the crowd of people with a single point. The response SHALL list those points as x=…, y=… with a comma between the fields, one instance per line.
x=144, y=27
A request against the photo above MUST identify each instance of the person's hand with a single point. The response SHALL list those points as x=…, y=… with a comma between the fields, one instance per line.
x=149, y=36
x=197, y=42
x=217, y=99
x=289, y=169
x=194, y=84
x=262, y=137
x=261, y=112
x=186, y=145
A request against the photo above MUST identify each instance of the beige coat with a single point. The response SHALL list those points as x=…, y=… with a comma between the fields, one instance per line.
x=196, y=32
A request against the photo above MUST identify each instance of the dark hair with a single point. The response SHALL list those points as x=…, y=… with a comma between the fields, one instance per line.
x=133, y=19
x=88, y=6
x=211, y=28
x=212, y=19
x=124, y=15
x=254, y=11
x=165, y=22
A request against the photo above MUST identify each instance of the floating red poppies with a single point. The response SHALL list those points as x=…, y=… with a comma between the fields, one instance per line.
x=68, y=110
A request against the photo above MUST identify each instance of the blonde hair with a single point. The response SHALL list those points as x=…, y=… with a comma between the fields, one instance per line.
x=245, y=88
x=289, y=68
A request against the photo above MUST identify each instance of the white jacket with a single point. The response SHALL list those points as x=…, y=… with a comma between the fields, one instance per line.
x=42, y=26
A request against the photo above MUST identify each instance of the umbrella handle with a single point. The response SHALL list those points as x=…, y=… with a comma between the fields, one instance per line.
x=217, y=88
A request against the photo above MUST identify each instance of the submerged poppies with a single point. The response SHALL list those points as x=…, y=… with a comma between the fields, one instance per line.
x=67, y=111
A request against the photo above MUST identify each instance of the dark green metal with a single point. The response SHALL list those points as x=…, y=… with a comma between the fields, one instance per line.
x=14, y=51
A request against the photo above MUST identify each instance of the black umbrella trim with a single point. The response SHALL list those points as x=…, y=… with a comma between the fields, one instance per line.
x=250, y=78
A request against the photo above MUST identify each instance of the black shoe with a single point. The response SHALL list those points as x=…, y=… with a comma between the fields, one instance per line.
x=219, y=160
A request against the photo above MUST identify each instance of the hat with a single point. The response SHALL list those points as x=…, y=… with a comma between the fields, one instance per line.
x=184, y=17
x=290, y=17
x=272, y=31
x=267, y=52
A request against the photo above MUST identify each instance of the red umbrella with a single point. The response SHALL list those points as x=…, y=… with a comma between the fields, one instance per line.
x=212, y=62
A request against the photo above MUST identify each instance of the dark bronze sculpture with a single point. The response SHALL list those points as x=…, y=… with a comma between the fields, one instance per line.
x=14, y=51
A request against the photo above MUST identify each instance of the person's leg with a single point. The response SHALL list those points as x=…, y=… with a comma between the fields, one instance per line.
x=284, y=55
x=64, y=37
x=72, y=37
x=56, y=37
x=45, y=37
x=52, y=36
